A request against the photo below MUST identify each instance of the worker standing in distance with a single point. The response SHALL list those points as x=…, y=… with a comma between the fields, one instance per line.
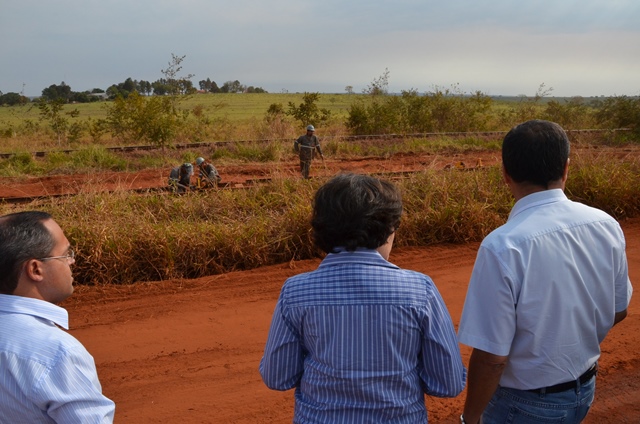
x=305, y=146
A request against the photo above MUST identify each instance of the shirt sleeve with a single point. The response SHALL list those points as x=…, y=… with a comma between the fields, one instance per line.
x=71, y=393
x=441, y=369
x=283, y=361
x=623, y=287
x=488, y=318
x=318, y=146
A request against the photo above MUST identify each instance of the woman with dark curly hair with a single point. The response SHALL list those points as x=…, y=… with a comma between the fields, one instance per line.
x=360, y=339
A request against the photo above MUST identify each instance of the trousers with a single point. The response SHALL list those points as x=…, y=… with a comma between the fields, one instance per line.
x=305, y=165
x=512, y=406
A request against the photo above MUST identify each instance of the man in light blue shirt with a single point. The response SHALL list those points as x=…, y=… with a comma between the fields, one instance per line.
x=546, y=288
x=46, y=375
x=360, y=339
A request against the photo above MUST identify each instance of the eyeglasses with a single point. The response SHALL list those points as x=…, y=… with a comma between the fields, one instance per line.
x=70, y=257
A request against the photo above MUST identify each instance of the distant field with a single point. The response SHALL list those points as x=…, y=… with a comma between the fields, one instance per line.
x=234, y=107
x=241, y=107
x=241, y=117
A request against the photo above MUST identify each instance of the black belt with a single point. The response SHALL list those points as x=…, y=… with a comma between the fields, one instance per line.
x=562, y=387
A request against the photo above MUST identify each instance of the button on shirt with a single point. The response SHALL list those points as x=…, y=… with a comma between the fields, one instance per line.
x=46, y=375
x=545, y=289
x=362, y=340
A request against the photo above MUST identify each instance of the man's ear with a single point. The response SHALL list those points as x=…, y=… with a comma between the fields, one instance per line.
x=505, y=176
x=34, y=270
x=566, y=171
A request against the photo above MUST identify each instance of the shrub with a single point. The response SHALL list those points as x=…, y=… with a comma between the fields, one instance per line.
x=437, y=111
x=619, y=112
x=21, y=163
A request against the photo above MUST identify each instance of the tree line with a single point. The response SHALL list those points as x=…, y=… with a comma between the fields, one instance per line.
x=153, y=112
x=160, y=87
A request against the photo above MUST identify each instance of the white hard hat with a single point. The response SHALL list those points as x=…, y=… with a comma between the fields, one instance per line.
x=199, y=161
x=310, y=128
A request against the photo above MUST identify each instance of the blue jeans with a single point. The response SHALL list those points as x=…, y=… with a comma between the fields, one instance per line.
x=511, y=406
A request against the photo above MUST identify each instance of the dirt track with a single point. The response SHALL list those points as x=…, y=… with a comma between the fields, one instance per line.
x=188, y=351
x=233, y=175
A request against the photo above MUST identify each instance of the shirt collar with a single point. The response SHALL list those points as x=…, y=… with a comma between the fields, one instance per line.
x=360, y=255
x=34, y=307
x=537, y=199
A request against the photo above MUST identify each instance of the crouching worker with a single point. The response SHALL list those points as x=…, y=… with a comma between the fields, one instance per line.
x=180, y=178
x=46, y=375
x=208, y=174
x=360, y=339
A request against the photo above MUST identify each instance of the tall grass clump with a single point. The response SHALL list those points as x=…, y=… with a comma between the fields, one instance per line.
x=260, y=152
x=122, y=238
x=606, y=183
x=454, y=206
x=95, y=156
x=20, y=164
x=253, y=151
x=86, y=159
x=407, y=145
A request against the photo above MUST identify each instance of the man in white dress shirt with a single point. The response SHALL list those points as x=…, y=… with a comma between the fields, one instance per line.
x=46, y=375
x=546, y=288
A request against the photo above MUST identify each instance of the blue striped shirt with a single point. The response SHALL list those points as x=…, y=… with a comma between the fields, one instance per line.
x=362, y=340
x=46, y=375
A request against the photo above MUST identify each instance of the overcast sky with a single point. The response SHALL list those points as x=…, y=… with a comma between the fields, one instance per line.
x=498, y=47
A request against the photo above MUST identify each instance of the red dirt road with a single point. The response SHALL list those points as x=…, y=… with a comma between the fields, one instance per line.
x=188, y=351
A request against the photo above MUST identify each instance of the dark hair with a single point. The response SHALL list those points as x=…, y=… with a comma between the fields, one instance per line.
x=352, y=211
x=23, y=236
x=535, y=152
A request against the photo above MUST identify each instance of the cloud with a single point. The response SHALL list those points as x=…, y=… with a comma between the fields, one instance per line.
x=586, y=47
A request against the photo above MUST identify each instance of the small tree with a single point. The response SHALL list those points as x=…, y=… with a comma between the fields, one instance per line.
x=177, y=84
x=156, y=119
x=527, y=108
x=233, y=87
x=619, y=112
x=54, y=92
x=153, y=119
x=160, y=87
x=308, y=111
x=571, y=114
x=52, y=112
x=379, y=86
x=13, y=99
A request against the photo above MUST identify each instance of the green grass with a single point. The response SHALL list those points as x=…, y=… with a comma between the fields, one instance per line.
x=235, y=107
x=244, y=107
x=220, y=117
